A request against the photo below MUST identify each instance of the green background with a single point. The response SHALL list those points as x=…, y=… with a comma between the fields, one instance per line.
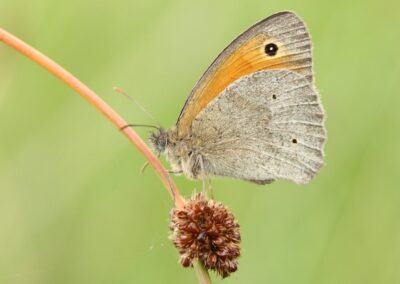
x=74, y=207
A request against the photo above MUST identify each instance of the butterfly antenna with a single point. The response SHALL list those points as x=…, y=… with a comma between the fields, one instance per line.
x=122, y=92
x=140, y=125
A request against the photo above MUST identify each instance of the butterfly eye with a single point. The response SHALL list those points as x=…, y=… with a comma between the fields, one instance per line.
x=271, y=49
x=294, y=141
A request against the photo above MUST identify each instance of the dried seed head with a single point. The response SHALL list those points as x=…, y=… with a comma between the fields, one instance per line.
x=207, y=231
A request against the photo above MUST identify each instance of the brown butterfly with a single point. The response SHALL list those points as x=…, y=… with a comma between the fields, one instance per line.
x=255, y=113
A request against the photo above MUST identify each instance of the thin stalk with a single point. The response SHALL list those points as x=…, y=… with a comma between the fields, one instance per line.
x=202, y=273
x=98, y=104
x=108, y=112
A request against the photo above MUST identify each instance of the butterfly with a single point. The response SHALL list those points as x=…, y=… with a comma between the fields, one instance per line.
x=255, y=114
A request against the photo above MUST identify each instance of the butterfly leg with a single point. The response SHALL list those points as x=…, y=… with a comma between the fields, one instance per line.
x=202, y=175
x=170, y=188
x=144, y=168
x=175, y=172
x=146, y=164
x=210, y=190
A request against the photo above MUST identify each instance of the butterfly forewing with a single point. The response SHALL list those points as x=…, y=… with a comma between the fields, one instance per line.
x=280, y=41
x=255, y=113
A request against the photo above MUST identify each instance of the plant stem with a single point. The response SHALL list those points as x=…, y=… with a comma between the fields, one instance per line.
x=202, y=273
x=98, y=103
x=110, y=114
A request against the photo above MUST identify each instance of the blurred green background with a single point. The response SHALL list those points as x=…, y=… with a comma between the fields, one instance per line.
x=74, y=207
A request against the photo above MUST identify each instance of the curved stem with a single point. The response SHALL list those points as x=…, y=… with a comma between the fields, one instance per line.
x=110, y=114
x=99, y=104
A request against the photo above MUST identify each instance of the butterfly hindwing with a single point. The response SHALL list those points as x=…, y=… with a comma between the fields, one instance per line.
x=265, y=126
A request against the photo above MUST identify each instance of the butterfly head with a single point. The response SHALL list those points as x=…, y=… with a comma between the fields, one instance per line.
x=159, y=140
x=180, y=152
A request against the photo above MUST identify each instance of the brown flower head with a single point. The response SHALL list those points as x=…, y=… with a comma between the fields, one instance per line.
x=207, y=231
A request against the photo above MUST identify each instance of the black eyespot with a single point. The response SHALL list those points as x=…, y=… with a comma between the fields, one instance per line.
x=271, y=49
x=294, y=141
x=274, y=97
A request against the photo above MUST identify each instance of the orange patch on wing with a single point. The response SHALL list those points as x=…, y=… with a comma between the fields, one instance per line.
x=247, y=59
